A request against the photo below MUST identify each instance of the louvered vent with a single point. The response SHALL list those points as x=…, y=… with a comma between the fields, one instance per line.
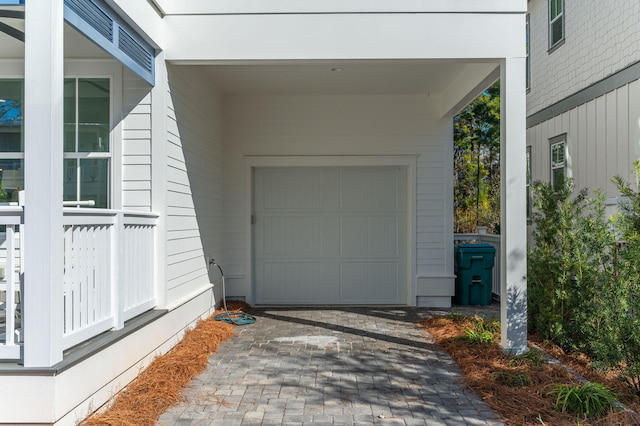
x=133, y=49
x=93, y=15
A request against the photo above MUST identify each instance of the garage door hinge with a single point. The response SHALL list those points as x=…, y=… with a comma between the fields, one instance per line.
x=253, y=219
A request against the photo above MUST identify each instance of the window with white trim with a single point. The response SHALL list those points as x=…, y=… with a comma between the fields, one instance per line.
x=558, y=161
x=87, y=147
x=556, y=23
x=87, y=144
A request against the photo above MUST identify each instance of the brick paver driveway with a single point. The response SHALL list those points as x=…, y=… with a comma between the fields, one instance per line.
x=299, y=366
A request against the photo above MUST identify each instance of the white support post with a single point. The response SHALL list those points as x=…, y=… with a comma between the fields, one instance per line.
x=10, y=326
x=158, y=176
x=117, y=257
x=513, y=228
x=43, y=134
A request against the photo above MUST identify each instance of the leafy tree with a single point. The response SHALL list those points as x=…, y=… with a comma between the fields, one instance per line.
x=476, y=156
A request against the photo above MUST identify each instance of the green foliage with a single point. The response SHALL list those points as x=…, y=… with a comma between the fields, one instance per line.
x=583, y=281
x=482, y=331
x=477, y=337
x=476, y=133
x=456, y=316
x=532, y=358
x=510, y=378
x=590, y=400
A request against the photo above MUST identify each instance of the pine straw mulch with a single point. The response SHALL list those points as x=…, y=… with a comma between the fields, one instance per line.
x=158, y=387
x=582, y=365
x=517, y=405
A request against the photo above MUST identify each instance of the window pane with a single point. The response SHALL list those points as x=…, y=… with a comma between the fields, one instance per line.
x=69, y=115
x=558, y=178
x=553, y=9
x=11, y=135
x=528, y=182
x=556, y=31
x=11, y=179
x=94, y=181
x=557, y=155
x=93, y=115
x=70, y=189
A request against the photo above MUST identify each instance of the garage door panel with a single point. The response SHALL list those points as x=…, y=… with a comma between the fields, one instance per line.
x=371, y=188
x=291, y=190
x=291, y=236
x=291, y=281
x=362, y=235
x=369, y=281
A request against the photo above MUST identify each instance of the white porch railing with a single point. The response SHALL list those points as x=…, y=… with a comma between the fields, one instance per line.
x=10, y=289
x=494, y=240
x=108, y=273
x=108, y=270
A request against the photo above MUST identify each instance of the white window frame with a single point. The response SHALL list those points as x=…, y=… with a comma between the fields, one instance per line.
x=93, y=155
x=555, y=143
x=552, y=21
x=97, y=68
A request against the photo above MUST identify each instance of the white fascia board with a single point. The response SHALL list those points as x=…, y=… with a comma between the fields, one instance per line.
x=206, y=7
x=343, y=36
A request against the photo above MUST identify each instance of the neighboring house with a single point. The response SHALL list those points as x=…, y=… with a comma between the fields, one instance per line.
x=583, y=99
x=306, y=146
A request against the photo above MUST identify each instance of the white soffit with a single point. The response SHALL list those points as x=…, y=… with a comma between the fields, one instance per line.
x=341, y=77
x=170, y=7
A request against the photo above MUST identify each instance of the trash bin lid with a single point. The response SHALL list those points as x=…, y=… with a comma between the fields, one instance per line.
x=478, y=246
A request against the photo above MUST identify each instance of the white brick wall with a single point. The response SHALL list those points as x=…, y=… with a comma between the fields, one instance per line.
x=601, y=37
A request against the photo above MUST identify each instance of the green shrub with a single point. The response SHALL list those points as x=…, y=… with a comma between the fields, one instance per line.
x=583, y=282
x=590, y=400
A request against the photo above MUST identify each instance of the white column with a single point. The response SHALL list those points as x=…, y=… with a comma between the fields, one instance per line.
x=158, y=176
x=43, y=134
x=513, y=221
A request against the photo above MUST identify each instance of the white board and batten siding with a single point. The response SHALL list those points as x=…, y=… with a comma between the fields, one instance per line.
x=344, y=130
x=194, y=182
x=602, y=140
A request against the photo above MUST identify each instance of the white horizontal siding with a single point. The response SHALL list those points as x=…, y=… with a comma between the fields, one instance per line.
x=340, y=125
x=136, y=143
x=194, y=181
x=602, y=140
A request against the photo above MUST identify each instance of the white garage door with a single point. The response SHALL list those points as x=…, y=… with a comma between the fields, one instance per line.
x=330, y=235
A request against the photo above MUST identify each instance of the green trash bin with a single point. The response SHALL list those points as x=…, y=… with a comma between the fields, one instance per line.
x=474, y=273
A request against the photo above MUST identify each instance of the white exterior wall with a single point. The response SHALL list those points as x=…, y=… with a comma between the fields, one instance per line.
x=603, y=140
x=193, y=182
x=600, y=39
x=136, y=143
x=342, y=125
